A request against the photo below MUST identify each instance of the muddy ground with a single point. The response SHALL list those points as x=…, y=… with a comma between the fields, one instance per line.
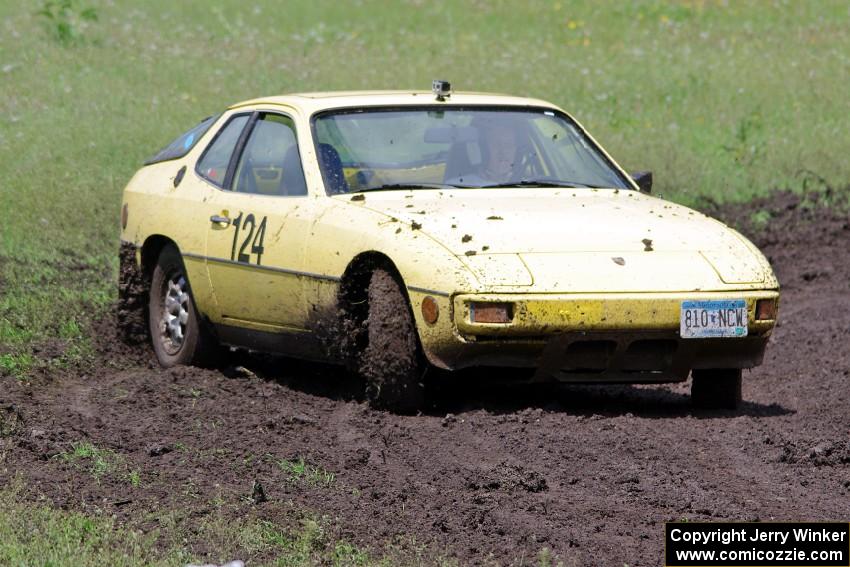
x=491, y=473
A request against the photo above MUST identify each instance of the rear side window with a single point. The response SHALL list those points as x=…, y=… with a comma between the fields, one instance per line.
x=213, y=164
x=185, y=142
x=270, y=163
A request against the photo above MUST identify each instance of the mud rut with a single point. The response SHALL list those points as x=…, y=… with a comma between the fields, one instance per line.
x=590, y=472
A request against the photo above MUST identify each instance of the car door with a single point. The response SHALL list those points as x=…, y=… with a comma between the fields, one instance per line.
x=257, y=229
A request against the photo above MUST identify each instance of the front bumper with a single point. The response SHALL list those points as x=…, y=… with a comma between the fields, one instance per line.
x=596, y=337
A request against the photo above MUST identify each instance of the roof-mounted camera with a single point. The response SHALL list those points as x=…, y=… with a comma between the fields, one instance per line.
x=443, y=89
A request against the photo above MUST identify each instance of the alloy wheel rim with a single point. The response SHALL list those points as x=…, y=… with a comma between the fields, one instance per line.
x=175, y=314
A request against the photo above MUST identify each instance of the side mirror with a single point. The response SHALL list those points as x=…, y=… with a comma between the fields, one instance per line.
x=643, y=180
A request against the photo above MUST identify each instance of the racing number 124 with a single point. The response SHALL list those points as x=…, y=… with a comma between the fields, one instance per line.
x=254, y=237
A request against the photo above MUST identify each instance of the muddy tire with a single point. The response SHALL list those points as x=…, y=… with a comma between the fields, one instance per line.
x=178, y=335
x=716, y=388
x=392, y=364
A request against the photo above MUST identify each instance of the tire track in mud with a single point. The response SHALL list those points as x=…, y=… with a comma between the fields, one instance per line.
x=493, y=474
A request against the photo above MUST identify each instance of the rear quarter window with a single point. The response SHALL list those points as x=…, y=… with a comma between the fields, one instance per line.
x=183, y=143
x=215, y=160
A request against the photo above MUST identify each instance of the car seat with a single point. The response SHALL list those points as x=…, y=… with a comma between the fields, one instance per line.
x=458, y=163
x=293, y=175
x=332, y=171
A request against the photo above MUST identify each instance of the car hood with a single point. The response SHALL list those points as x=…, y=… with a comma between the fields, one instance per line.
x=577, y=240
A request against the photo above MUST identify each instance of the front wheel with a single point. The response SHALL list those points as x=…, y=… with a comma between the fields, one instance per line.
x=392, y=363
x=176, y=330
x=716, y=388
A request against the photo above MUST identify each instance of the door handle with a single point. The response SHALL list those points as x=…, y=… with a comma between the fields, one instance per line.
x=218, y=219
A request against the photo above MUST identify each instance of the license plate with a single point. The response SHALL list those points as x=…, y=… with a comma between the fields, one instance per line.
x=713, y=318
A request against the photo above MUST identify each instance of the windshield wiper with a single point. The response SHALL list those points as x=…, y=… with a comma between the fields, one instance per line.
x=521, y=183
x=392, y=186
x=540, y=183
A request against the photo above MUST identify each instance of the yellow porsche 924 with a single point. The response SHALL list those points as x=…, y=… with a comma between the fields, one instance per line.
x=398, y=232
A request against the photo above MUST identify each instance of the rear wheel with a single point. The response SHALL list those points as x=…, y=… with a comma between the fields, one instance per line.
x=177, y=332
x=392, y=363
x=716, y=388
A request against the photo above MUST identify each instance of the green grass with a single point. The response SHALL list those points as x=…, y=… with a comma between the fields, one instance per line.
x=36, y=534
x=16, y=365
x=299, y=470
x=99, y=462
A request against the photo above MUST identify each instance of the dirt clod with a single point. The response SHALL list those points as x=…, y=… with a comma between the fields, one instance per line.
x=509, y=477
x=159, y=449
x=258, y=493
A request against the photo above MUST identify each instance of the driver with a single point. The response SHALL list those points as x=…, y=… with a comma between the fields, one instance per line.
x=499, y=157
x=499, y=154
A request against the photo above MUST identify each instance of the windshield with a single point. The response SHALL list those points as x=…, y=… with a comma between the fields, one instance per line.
x=457, y=148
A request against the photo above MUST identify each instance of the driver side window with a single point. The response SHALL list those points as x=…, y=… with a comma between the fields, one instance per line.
x=270, y=163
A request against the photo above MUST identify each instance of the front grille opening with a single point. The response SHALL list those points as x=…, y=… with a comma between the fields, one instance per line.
x=589, y=356
x=649, y=355
x=509, y=339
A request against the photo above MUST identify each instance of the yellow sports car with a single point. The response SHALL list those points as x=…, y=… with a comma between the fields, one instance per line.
x=399, y=232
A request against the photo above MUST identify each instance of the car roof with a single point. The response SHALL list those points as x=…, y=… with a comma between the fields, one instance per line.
x=317, y=101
